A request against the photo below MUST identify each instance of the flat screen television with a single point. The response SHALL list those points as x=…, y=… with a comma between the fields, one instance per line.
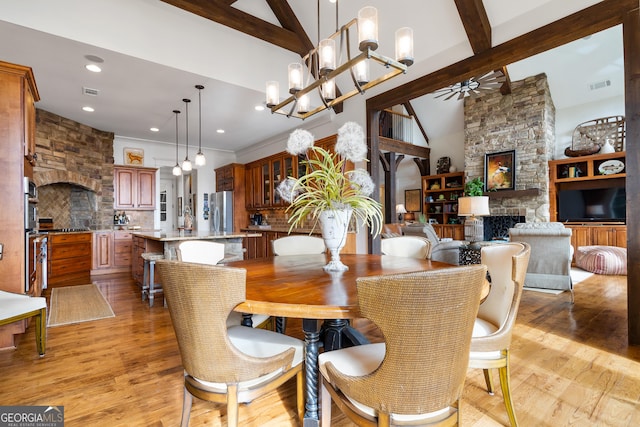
x=593, y=204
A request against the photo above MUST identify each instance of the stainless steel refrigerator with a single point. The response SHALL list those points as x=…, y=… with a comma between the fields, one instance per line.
x=221, y=208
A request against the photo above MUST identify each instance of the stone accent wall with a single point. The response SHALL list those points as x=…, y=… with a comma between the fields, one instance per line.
x=74, y=172
x=523, y=121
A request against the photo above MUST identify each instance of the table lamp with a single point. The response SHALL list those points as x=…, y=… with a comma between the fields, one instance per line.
x=473, y=207
x=400, y=209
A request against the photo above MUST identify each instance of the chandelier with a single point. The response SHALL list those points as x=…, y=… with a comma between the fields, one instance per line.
x=324, y=64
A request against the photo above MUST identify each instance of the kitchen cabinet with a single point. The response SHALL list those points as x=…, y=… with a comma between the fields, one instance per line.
x=111, y=252
x=263, y=177
x=140, y=245
x=69, y=258
x=134, y=188
x=231, y=177
x=102, y=250
x=18, y=93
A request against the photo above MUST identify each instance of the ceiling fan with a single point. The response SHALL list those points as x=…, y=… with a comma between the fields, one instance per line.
x=473, y=87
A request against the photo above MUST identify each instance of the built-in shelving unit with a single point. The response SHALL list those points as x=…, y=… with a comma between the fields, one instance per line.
x=440, y=202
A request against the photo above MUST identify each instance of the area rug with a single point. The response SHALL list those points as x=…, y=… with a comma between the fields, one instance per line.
x=76, y=304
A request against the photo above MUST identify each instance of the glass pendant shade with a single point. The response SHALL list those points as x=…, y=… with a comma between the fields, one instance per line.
x=177, y=170
x=327, y=56
x=329, y=90
x=404, y=46
x=295, y=77
x=361, y=72
x=303, y=104
x=273, y=93
x=368, y=28
x=200, y=159
x=186, y=165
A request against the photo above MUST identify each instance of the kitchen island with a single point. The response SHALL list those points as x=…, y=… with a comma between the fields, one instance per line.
x=166, y=243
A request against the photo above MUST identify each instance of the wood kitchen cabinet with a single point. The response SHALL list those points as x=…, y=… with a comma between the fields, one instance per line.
x=69, y=258
x=18, y=93
x=134, y=188
x=111, y=252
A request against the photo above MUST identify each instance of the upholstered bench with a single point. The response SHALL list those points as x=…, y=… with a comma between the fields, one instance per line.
x=602, y=259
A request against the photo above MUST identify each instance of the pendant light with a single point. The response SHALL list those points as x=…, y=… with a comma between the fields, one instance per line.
x=186, y=163
x=200, y=159
x=177, y=171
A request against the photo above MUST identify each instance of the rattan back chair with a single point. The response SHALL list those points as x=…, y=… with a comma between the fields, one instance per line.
x=417, y=374
x=507, y=265
x=224, y=365
x=211, y=253
x=407, y=246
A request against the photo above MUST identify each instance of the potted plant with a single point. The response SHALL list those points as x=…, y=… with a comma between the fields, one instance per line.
x=475, y=187
x=328, y=193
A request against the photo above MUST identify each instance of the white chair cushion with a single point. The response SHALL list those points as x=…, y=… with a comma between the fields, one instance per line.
x=12, y=304
x=259, y=343
x=361, y=360
x=482, y=328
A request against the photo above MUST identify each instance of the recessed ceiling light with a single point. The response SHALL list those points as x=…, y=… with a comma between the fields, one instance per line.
x=93, y=67
x=88, y=109
x=220, y=131
x=154, y=129
x=259, y=107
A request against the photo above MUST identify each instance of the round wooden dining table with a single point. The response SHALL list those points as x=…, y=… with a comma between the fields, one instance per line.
x=297, y=286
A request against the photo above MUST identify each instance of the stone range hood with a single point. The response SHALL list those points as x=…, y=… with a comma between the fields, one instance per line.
x=73, y=173
x=68, y=198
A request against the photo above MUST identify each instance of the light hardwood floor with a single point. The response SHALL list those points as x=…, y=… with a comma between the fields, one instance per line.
x=570, y=366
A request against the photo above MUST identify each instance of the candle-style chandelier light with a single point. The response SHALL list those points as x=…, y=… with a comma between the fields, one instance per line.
x=324, y=64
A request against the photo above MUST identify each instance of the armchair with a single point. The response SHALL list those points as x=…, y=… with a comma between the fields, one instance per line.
x=551, y=253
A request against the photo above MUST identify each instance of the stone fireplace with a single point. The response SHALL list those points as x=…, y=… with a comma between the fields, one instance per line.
x=523, y=121
x=74, y=173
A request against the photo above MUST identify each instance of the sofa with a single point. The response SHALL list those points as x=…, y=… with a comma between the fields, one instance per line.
x=551, y=254
x=443, y=251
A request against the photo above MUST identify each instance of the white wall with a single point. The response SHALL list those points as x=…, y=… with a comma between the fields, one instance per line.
x=567, y=119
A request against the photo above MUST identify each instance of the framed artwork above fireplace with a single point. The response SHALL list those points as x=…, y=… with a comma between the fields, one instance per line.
x=499, y=171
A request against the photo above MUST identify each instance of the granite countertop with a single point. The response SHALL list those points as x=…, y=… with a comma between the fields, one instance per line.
x=193, y=235
x=282, y=229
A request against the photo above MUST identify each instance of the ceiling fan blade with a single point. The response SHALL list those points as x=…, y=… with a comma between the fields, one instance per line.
x=462, y=95
x=451, y=95
x=444, y=93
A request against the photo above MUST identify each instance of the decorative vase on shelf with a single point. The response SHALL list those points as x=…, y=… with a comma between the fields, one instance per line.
x=335, y=224
x=607, y=147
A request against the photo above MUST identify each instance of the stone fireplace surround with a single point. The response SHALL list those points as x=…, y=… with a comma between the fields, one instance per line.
x=524, y=121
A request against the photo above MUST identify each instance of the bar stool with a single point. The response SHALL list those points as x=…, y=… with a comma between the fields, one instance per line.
x=149, y=286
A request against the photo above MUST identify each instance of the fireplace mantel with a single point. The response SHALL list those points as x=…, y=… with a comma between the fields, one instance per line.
x=502, y=194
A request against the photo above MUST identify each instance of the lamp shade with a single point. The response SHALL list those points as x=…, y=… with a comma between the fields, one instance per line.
x=400, y=209
x=473, y=206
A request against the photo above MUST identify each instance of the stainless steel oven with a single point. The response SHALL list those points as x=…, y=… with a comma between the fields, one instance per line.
x=30, y=205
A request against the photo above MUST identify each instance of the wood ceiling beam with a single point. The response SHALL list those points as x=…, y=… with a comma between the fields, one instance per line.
x=476, y=24
x=407, y=106
x=598, y=17
x=224, y=14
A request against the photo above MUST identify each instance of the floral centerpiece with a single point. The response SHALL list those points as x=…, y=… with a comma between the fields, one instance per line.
x=328, y=193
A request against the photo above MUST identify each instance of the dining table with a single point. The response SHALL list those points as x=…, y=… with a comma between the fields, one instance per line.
x=297, y=286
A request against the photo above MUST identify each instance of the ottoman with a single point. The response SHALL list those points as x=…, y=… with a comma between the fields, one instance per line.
x=602, y=259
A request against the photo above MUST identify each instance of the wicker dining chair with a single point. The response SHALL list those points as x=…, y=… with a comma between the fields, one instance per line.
x=407, y=246
x=507, y=265
x=417, y=375
x=211, y=253
x=225, y=365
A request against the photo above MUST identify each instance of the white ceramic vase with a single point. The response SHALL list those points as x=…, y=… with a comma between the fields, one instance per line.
x=334, y=225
